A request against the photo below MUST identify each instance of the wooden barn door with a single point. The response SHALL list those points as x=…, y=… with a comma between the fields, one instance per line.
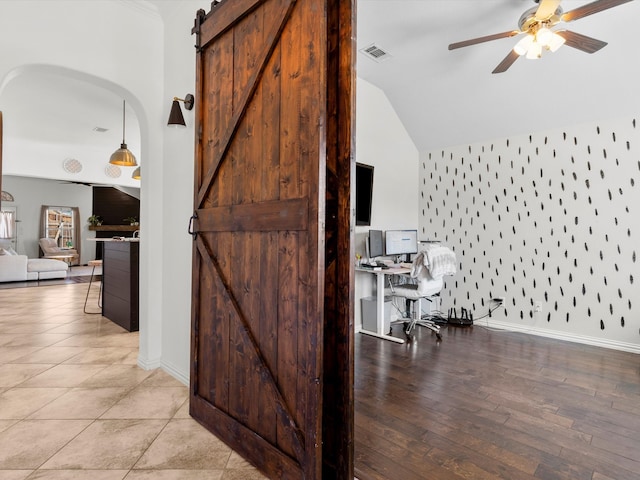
x=272, y=335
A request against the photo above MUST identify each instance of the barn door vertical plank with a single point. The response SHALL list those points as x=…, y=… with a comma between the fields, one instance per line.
x=288, y=317
x=247, y=57
x=270, y=190
x=312, y=157
x=236, y=161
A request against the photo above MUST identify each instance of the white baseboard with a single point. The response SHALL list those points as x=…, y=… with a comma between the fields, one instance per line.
x=147, y=364
x=167, y=367
x=175, y=373
x=569, y=337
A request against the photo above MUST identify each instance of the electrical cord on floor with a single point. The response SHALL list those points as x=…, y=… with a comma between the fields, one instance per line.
x=499, y=303
x=491, y=310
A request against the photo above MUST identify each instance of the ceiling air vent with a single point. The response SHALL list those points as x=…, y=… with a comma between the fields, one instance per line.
x=375, y=53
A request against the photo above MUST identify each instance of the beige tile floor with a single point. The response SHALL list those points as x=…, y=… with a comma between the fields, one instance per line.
x=75, y=406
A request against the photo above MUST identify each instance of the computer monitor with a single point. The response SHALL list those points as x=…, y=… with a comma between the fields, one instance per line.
x=376, y=245
x=401, y=242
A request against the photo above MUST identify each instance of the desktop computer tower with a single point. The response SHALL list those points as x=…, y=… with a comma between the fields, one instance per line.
x=369, y=314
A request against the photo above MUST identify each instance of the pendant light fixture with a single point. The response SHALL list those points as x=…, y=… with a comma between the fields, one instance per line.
x=123, y=156
x=136, y=174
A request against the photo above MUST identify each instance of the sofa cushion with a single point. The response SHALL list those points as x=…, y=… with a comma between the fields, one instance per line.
x=13, y=268
x=49, y=275
x=46, y=265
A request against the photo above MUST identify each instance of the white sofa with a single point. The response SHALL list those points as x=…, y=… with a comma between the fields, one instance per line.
x=18, y=268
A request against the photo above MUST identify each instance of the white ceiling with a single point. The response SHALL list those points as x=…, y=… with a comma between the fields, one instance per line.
x=443, y=97
x=48, y=107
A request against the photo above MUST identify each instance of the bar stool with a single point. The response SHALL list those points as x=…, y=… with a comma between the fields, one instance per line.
x=94, y=264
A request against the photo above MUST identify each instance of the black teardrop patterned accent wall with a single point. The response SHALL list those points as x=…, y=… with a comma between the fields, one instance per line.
x=562, y=191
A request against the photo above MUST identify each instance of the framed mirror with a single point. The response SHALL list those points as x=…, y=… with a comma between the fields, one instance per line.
x=62, y=224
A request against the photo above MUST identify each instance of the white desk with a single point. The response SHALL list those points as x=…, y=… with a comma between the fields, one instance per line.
x=380, y=280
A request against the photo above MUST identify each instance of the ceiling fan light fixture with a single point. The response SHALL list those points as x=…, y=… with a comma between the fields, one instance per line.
x=544, y=36
x=556, y=42
x=535, y=51
x=523, y=45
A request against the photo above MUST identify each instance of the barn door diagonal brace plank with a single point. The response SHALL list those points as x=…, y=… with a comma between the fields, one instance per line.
x=264, y=372
x=265, y=55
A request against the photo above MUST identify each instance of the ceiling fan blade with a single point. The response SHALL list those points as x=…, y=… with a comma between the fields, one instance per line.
x=581, y=42
x=504, y=65
x=488, y=38
x=546, y=9
x=590, y=9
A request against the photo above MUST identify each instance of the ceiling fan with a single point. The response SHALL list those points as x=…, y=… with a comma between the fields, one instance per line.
x=537, y=25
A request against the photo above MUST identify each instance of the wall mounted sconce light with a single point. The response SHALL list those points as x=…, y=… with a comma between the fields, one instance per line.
x=123, y=156
x=175, y=117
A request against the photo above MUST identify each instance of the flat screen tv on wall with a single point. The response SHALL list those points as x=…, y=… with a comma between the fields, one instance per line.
x=364, y=193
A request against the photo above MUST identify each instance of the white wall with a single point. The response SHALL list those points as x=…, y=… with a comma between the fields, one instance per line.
x=550, y=217
x=179, y=75
x=30, y=194
x=382, y=141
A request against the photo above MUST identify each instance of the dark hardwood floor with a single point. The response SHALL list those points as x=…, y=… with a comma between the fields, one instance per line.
x=486, y=404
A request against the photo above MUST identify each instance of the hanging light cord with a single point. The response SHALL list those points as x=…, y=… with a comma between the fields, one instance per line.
x=123, y=120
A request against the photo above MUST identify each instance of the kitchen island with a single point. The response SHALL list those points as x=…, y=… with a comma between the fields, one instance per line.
x=120, y=281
